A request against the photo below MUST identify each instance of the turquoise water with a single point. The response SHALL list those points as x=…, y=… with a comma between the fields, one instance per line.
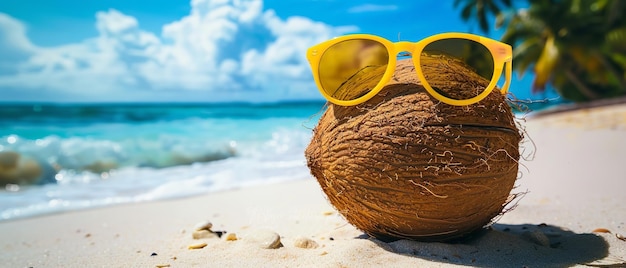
x=82, y=156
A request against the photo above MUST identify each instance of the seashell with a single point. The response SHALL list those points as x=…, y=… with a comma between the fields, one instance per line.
x=197, y=246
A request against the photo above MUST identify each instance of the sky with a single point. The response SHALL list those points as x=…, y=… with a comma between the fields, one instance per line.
x=193, y=51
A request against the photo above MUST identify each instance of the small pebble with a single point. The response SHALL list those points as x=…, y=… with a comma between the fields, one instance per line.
x=219, y=233
x=197, y=246
x=230, y=237
x=201, y=234
x=162, y=265
x=537, y=237
x=204, y=225
x=304, y=242
x=265, y=239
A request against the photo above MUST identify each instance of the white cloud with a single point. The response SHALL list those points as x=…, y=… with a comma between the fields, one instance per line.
x=13, y=34
x=225, y=48
x=114, y=22
x=14, y=45
x=371, y=8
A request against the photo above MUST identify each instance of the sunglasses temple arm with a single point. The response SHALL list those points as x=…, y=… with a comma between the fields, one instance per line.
x=507, y=75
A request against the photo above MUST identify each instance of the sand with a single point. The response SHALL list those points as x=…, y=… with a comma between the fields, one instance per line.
x=572, y=214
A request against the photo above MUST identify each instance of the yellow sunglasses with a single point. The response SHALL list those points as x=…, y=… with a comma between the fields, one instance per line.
x=339, y=60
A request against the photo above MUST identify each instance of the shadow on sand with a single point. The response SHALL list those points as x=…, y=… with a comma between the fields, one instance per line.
x=504, y=245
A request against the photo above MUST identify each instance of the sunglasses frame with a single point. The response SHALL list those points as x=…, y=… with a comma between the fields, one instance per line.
x=502, y=55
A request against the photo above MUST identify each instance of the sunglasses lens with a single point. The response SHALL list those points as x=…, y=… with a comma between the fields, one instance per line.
x=464, y=62
x=352, y=68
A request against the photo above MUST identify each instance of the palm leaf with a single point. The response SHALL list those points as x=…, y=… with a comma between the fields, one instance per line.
x=616, y=39
x=545, y=64
x=526, y=54
x=466, y=13
x=481, y=13
x=493, y=7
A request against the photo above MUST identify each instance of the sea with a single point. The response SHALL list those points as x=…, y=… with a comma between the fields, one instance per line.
x=81, y=156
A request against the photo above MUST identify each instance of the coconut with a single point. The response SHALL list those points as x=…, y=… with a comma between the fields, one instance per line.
x=404, y=165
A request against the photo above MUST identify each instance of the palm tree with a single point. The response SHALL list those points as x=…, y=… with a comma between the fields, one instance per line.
x=578, y=46
x=481, y=10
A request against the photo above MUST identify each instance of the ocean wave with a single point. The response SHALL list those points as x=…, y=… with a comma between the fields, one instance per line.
x=60, y=158
x=26, y=161
x=276, y=159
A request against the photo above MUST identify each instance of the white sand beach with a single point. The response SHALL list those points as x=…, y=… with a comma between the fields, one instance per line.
x=573, y=214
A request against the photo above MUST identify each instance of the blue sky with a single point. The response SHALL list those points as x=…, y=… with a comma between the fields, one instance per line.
x=198, y=50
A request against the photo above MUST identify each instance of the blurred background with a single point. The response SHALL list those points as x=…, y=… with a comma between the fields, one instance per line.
x=109, y=102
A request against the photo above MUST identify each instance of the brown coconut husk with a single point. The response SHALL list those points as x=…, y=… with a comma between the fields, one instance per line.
x=405, y=165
